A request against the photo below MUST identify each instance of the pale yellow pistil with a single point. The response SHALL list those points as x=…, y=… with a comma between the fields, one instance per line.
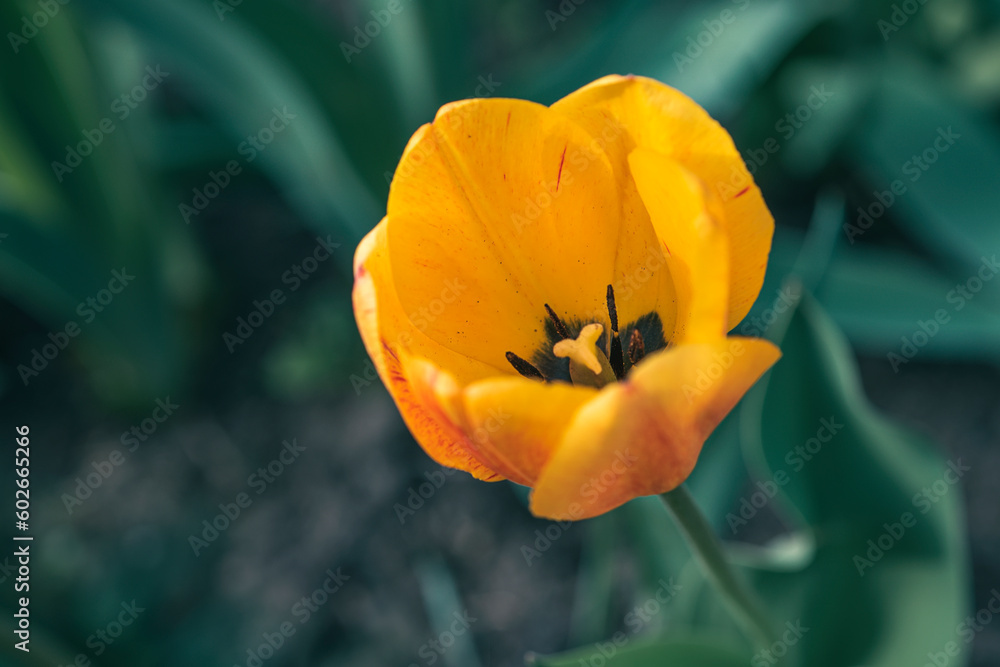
x=588, y=365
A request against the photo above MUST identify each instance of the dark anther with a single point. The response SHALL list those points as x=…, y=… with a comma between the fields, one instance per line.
x=636, y=347
x=524, y=368
x=612, y=310
x=615, y=357
x=560, y=327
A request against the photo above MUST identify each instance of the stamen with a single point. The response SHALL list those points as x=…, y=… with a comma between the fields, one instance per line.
x=615, y=356
x=560, y=327
x=636, y=347
x=612, y=310
x=523, y=367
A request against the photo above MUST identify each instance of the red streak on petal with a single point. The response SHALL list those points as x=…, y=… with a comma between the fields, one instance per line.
x=508, y=121
x=361, y=272
x=742, y=192
x=562, y=160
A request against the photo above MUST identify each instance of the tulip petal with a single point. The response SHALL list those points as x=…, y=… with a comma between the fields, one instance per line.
x=512, y=423
x=390, y=338
x=626, y=113
x=684, y=216
x=496, y=209
x=643, y=436
x=520, y=422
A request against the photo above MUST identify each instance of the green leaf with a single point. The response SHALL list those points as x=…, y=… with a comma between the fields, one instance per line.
x=653, y=39
x=65, y=238
x=238, y=69
x=889, y=568
x=741, y=55
x=643, y=653
x=443, y=604
x=595, y=582
x=879, y=297
x=944, y=158
x=821, y=100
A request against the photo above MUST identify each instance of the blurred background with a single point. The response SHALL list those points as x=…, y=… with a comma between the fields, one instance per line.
x=219, y=477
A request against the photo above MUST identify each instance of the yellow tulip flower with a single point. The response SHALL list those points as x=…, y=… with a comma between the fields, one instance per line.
x=548, y=297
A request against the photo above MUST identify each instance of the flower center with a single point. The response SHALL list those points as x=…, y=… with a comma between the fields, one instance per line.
x=587, y=364
x=591, y=358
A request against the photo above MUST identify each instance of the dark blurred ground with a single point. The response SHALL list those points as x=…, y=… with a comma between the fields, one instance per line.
x=959, y=406
x=338, y=508
x=333, y=513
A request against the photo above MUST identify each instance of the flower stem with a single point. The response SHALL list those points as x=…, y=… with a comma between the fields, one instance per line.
x=707, y=550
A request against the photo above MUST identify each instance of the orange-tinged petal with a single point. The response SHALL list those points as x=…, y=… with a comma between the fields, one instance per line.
x=684, y=216
x=512, y=423
x=625, y=113
x=521, y=422
x=497, y=208
x=390, y=338
x=438, y=390
x=643, y=436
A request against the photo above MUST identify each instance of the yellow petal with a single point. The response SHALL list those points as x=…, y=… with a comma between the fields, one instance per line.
x=438, y=391
x=643, y=436
x=635, y=112
x=497, y=208
x=390, y=338
x=511, y=423
x=520, y=422
x=684, y=216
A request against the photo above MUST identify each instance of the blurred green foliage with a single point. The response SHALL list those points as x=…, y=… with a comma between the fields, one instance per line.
x=355, y=99
x=896, y=81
